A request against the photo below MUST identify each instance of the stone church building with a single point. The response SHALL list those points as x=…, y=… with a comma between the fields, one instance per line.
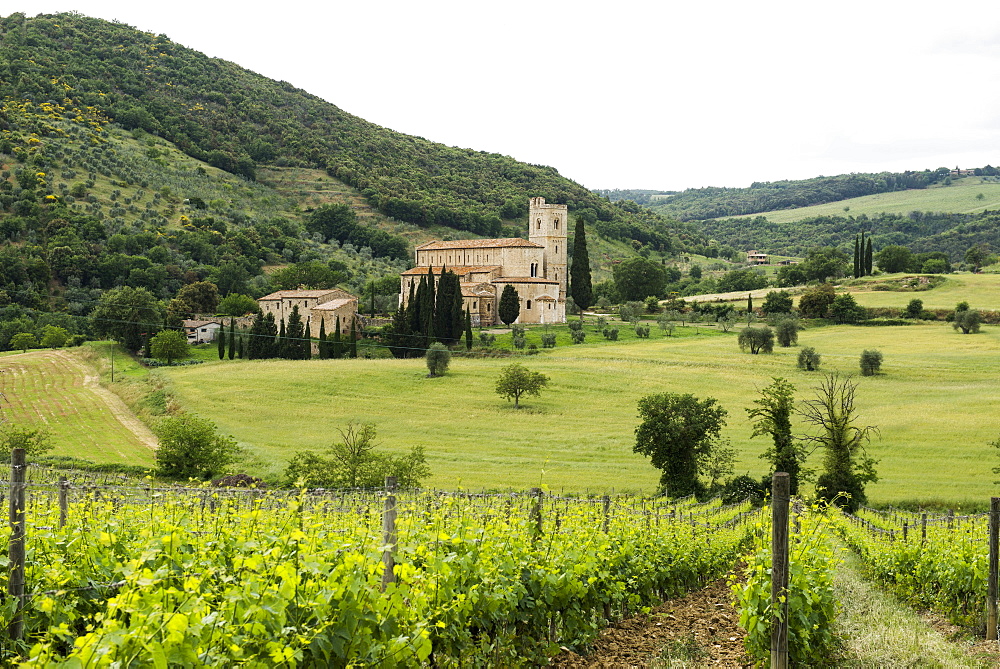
x=535, y=267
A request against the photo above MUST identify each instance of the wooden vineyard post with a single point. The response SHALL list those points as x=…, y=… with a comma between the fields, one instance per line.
x=63, y=500
x=15, y=551
x=779, y=570
x=923, y=527
x=535, y=518
x=606, y=503
x=991, y=588
x=389, y=533
x=906, y=527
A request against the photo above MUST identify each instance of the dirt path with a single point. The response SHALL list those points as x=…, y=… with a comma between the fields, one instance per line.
x=115, y=404
x=701, y=627
x=729, y=297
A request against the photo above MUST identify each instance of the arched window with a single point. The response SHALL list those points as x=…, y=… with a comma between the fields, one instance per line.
x=538, y=224
x=557, y=223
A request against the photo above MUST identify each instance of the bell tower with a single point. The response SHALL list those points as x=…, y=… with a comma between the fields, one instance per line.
x=547, y=225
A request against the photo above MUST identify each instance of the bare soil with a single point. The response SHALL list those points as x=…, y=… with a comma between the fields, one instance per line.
x=705, y=618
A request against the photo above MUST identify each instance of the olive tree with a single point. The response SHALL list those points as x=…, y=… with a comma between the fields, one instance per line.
x=756, y=339
x=438, y=359
x=871, y=362
x=787, y=330
x=809, y=359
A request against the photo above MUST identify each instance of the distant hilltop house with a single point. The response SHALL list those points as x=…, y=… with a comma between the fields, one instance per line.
x=757, y=258
x=201, y=332
x=535, y=267
x=315, y=307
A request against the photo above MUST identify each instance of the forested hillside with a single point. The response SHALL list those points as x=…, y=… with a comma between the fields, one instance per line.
x=712, y=202
x=921, y=232
x=234, y=119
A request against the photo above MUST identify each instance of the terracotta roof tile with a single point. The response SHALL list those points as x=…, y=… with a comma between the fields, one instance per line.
x=333, y=305
x=300, y=293
x=479, y=244
x=461, y=270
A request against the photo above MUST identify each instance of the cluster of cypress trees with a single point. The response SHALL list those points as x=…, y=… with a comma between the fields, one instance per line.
x=266, y=339
x=433, y=313
x=862, y=256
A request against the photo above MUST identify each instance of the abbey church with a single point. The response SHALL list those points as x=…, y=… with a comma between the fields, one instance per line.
x=535, y=267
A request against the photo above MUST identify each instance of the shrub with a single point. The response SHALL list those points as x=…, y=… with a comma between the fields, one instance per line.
x=915, y=308
x=575, y=326
x=487, y=339
x=611, y=334
x=438, y=359
x=809, y=359
x=815, y=301
x=549, y=340
x=532, y=349
x=642, y=331
x=578, y=336
x=756, y=339
x=191, y=448
x=967, y=320
x=519, y=342
x=871, y=362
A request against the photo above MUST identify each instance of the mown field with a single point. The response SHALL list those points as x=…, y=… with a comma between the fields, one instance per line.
x=50, y=389
x=935, y=406
x=981, y=291
x=958, y=198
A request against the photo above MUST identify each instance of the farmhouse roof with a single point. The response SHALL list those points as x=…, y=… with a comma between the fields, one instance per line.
x=333, y=305
x=300, y=293
x=198, y=324
x=479, y=244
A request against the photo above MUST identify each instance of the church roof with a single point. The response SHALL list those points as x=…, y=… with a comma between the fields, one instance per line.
x=457, y=269
x=479, y=244
x=525, y=279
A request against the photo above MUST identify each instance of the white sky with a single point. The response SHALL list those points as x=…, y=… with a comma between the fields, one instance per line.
x=664, y=95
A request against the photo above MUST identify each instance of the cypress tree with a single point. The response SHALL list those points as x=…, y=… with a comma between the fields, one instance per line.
x=294, y=335
x=373, y=299
x=414, y=311
x=324, y=353
x=221, y=336
x=510, y=305
x=581, y=288
x=254, y=346
x=281, y=345
x=468, y=331
x=399, y=343
x=442, y=308
x=857, y=260
x=427, y=310
x=240, y=352
x=457, y=310
x=269, y=337
x=868, y=258
x=307, y=345
x=338, y=349
x=749, y=303
x=353, y=346
x=232, y=338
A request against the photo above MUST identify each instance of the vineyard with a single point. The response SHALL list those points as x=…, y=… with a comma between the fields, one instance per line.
x=120, y=573
x=137, y=575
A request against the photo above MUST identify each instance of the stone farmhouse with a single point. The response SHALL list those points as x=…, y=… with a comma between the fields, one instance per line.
x=315, y=306
x=535, y=267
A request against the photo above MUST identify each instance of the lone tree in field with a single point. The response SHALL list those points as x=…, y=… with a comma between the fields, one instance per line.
x=967, y=320
x=23, y=341
x=517, y=380
x=510, y=305
x=677, y=431
x=580, y=286
x=871, y=362
x=787, y=330
x=847, y=468
x=757, y=340
x=809, y=359
x=777, y=302
x=438, y=358
x=169, y=345
x=773, y=417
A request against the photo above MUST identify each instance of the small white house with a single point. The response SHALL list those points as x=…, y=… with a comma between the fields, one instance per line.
x=201, y=332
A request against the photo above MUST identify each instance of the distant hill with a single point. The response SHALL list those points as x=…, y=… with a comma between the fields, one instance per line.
x=236, y=120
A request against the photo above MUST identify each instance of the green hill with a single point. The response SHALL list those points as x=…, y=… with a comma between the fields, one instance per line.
x=130, y=160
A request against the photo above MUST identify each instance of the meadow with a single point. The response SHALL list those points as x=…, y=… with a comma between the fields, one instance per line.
x=961, y=197
x=934, y=405
x=981, y=291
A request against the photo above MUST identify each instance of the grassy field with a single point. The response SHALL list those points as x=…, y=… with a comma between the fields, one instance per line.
x=51, y=389
x=935, y=406
x=981, y=291
x=958, y=198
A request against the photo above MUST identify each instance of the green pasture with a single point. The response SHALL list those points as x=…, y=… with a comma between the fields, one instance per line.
x=935, y=406
x=958, y=198
x=48, y=389
x=981, y=291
